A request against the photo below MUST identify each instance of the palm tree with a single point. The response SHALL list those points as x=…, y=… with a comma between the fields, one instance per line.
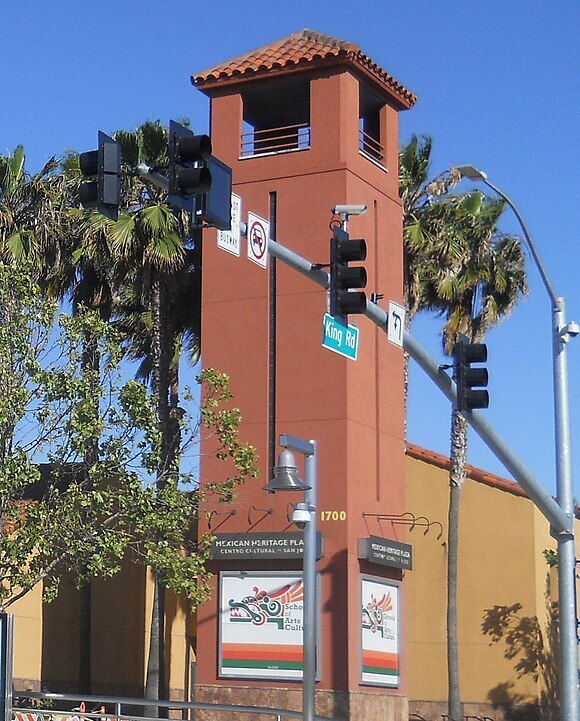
x=156, y=246
x=428, y=213
x=30, y=209
x=459, y=265
x=474, y=295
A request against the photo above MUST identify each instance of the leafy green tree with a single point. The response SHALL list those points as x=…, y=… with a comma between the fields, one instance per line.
x=50, y=521
x=144, y=271
x=460, y=266
x=62, y=515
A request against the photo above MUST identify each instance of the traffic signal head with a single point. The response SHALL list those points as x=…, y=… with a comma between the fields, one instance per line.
x=343, y=251
x=198, y=182
x=103, y=169
x=188, y=172
x=470, y=380
x=215, y=206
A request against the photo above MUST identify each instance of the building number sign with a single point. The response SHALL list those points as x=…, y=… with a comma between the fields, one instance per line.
x=333, y=515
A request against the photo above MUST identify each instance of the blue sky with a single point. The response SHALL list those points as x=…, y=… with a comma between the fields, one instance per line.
x=497, y=86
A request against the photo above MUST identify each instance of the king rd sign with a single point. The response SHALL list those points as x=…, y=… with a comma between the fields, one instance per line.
x=339, y=338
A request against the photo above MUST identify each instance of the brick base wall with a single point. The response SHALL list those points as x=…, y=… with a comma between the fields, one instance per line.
x=339, y=705
x=435, y=710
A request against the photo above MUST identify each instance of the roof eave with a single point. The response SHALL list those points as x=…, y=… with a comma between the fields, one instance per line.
x=210, y=85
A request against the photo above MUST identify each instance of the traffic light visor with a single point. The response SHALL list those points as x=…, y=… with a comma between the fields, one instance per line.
x=352, y=302
x=355, y=277
x=475, y=377
x=351, y=250
x=471, y=352
x=89, y=163
x=191, y=148
x=193, y=180
x=89, y=194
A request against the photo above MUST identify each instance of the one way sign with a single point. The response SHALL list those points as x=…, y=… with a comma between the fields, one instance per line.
x=396, y=323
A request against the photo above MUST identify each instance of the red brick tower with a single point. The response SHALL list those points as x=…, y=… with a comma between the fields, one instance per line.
x=306, y=123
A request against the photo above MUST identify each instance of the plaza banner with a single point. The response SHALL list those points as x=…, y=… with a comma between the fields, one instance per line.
x=261, y=625
x=379, y=632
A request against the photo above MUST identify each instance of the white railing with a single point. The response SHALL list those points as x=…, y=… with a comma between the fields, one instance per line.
x=284, y=139
x=371, y=147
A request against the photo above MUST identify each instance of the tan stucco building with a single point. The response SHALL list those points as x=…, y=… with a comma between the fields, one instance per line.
x=46, y=638
x=502, y=542
x=503, y=537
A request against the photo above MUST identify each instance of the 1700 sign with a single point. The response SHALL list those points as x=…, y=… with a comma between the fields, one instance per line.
x=333, y=515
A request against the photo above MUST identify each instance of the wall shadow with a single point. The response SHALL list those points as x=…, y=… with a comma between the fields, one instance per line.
x=533, y=647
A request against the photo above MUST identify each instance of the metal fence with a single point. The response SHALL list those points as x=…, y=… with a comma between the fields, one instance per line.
x=41, y=706
x=275, y=140
x=371, y=147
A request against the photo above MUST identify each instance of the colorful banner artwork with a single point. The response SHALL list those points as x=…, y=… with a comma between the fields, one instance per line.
x=379, y=633
x=261, y=625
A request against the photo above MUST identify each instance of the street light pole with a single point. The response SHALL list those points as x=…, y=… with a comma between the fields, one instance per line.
x=286, y=479
x=561, y=333
x=309, y=575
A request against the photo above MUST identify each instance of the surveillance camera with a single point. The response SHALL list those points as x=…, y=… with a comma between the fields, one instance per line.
x=572, y=329
x=301, y=515
x=349, y=209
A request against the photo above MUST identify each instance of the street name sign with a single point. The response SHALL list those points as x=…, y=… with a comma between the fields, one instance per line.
x=231, y=240
x=339, y=338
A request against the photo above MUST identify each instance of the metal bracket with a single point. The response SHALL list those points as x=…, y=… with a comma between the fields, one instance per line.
x=570, y=330
x=565, y=533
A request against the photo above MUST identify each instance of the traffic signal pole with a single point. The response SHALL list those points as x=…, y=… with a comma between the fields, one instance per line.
x=561, y=334
x=560, y=518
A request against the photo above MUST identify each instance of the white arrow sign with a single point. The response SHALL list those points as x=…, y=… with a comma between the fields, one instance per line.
x=396, y=323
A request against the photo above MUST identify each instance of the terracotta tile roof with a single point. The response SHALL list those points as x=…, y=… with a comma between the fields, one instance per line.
x=476, y=474
x=292, y=54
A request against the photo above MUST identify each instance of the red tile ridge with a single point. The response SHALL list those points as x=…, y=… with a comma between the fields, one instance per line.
x=303, y=47
x=476, y=474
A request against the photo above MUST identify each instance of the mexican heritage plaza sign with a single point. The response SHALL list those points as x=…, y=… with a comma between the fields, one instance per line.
x=245, y=546
x=386, y=552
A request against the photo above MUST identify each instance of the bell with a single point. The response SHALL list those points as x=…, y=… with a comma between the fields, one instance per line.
x=285, y=475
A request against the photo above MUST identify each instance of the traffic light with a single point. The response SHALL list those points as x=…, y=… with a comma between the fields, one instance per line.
x=188, y=171
x=470, y=380
x=198, y=182
x=215, y=206
x=343, y=251
x=103, y=169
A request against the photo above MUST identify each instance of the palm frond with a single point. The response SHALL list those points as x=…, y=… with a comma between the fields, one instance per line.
x=166, y=252
x=457, y=262
x=154, y=138
x=130, y=146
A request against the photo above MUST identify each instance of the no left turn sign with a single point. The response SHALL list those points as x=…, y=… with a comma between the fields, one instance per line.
x=258, y=234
